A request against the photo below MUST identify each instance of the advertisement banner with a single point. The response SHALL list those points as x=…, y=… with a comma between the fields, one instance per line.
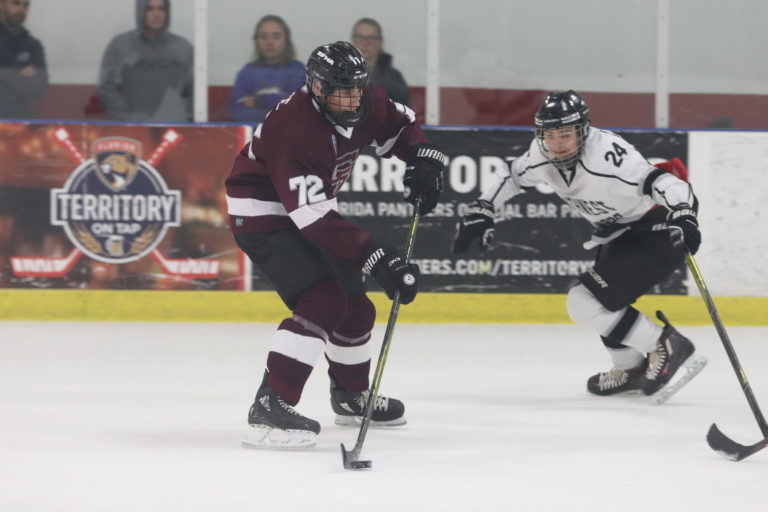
x=95, y=206
x=119, y=207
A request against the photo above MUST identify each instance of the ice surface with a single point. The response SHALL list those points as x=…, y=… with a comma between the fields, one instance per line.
x=149, y=417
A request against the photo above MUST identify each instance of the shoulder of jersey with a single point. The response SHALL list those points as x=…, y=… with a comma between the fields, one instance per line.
x=602, y=137
x=380, y=96
x=291, y=115
x=377, y=92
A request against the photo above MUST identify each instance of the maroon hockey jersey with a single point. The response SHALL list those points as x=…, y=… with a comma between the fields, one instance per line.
x=288, y=175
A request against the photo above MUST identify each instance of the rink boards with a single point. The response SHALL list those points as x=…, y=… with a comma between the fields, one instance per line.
x=223, y=306
x=77, y=243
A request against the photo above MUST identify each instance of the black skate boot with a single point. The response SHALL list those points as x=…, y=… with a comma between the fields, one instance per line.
x=349, y=406
x=275, y=424
x=671, y=365
x=615, y=381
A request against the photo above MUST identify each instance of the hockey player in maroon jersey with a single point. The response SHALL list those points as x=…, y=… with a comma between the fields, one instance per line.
x=281, y=198
x=624, y=197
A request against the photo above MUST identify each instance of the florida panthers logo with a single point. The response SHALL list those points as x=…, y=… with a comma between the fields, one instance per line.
x=116, y=161
x=115, y=207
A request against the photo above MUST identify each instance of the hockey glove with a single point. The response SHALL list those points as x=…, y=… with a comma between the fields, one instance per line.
x=684, y=228
x=392, y=273
x=477, y=222
x=424, y=177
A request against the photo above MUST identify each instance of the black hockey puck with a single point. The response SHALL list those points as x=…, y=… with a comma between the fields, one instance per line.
x=360, y=464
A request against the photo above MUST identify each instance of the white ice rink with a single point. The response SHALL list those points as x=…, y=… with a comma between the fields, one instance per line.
x=148, y=417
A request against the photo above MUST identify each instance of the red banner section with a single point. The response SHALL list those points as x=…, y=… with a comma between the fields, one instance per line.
x=121, y=207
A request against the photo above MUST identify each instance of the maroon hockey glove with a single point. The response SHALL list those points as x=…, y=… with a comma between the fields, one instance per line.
x=476, y=222
x=424, y=177
x=392, y=273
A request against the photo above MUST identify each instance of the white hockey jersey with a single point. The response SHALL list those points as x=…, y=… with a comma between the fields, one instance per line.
x=612, y=185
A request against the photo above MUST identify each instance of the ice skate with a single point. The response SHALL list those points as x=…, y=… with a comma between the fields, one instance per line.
x=273, y=424
x=349, y=406
x=671, y=365
x=618, y=382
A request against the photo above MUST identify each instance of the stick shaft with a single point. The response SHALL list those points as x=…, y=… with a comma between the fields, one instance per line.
x=727, y=344
x=376, y=381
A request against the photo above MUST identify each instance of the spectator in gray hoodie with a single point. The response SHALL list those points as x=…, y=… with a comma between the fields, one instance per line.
x=23, y=75
x=146, y=74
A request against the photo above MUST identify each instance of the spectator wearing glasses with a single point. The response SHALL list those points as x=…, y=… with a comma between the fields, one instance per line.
x=367, y=36
x=273, y=75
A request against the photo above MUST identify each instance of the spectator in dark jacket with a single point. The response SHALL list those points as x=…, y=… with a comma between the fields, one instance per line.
x=23, y=74
x=367, y=36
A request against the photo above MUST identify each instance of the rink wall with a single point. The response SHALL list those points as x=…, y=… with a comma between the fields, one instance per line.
x=108, y=222
x=224, y=306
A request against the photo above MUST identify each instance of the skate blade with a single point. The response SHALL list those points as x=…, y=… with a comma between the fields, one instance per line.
x=620, y=394
x=692, y=366
x=356, y=421
x=263, y=437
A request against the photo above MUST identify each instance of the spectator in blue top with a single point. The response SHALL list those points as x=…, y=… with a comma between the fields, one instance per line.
x=273, y=75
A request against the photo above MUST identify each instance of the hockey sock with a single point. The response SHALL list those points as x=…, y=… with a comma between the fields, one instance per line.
x=300, y=340
x=348, y=348
x=625, y=328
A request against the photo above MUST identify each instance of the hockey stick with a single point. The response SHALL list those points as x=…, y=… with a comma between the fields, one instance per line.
x=718, y=441
x=351, y=458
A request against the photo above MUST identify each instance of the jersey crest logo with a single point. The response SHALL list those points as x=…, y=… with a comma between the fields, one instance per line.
x=115, y=207
x=344, y=165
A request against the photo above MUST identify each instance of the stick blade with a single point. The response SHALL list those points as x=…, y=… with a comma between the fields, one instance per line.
x=350, y=460
x=729, y=448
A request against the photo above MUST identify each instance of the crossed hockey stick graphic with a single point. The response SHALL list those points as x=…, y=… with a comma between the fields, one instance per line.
x=58, y=267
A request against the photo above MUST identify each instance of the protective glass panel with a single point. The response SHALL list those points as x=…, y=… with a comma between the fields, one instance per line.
x=718, y=69
x=497, y=62
x=75, y=37
x=232, y=50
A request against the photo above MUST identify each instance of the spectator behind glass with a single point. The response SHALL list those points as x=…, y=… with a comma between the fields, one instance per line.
x=367, y=36
x=146, y=74
x=23, y=74
x=274, y=74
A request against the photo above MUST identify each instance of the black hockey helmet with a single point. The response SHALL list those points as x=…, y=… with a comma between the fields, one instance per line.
x=334, y=66
x=561, y=110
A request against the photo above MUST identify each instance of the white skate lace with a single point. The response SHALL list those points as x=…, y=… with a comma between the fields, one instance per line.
x=382, y=402
x=287, y=407
x=613, y=378
x=656, y=360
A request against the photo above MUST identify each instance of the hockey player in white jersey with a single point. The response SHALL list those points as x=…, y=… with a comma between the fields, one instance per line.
x=642, y=217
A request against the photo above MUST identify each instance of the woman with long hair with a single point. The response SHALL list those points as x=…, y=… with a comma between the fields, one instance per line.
x=272, y=75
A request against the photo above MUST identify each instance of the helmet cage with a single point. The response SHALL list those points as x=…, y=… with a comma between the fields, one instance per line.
x=561, y=110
